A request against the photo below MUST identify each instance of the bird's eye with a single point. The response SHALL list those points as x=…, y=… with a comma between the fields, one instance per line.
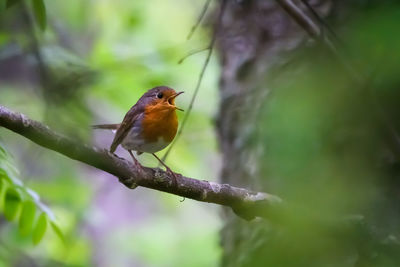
x=160, y=95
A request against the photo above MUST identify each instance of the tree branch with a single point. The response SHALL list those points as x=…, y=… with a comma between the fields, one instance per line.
x=199, y=19
x=315, y=32
x=245, y=203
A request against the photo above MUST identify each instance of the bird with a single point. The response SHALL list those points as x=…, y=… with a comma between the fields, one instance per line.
x=149, y=126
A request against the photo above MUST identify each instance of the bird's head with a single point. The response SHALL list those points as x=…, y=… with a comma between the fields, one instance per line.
x=162, y=96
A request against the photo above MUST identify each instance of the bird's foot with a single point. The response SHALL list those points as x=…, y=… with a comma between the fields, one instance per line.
x=174, y=176
x=169, y=171
x=138, y=166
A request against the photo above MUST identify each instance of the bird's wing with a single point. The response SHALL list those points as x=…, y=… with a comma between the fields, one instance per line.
x=125, y=126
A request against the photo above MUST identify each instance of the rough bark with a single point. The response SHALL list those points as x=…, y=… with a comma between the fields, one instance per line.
x=256, y=40
x=255, y=37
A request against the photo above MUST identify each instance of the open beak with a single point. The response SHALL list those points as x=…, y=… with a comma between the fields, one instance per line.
x=173, y=97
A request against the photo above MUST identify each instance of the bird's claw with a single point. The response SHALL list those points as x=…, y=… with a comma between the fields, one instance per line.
x=174, y=175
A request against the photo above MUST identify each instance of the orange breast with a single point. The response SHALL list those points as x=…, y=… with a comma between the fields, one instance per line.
x=159, y=121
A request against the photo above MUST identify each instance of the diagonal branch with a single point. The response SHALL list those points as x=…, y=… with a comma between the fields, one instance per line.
x=315, y=32
x=199, y=19
x=245, y=203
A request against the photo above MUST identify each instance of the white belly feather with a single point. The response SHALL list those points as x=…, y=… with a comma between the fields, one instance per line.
x=154, y=146
x=134, y=141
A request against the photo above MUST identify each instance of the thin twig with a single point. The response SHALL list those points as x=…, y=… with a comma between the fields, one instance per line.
x=196, y=90
x=199, y=19
x=191, y=53
x=300, y=17
x=315, y=32
x=322, y=22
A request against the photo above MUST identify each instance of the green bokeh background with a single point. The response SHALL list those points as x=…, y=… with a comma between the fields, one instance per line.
x=320, y=141
x=109, y=53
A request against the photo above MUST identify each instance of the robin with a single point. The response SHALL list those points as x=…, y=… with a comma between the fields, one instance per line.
x=149, y=126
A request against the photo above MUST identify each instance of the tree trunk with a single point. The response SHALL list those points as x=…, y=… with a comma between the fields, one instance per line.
x=254, y=37
x=255, y=40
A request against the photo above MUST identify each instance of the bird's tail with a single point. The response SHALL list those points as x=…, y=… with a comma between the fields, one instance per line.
x=106, y=126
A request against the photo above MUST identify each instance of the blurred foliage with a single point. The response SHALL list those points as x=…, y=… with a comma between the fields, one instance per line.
x=39, y=9
x=329, y=145
x=22, y=204
x=76, y=63
x=331, y=151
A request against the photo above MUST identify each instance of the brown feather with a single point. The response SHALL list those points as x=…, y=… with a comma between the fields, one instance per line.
x=125, y=126
x=148, y=101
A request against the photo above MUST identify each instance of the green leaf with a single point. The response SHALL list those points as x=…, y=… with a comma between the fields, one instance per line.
x=39, y=9
x=3, y=187
x=27, y=217
x=3, y=183
x=8, y=170
x=12, y=203
x=40, y=229
x=58, y=231
x=3, y=153
x=3, y=173
x=10, y=3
